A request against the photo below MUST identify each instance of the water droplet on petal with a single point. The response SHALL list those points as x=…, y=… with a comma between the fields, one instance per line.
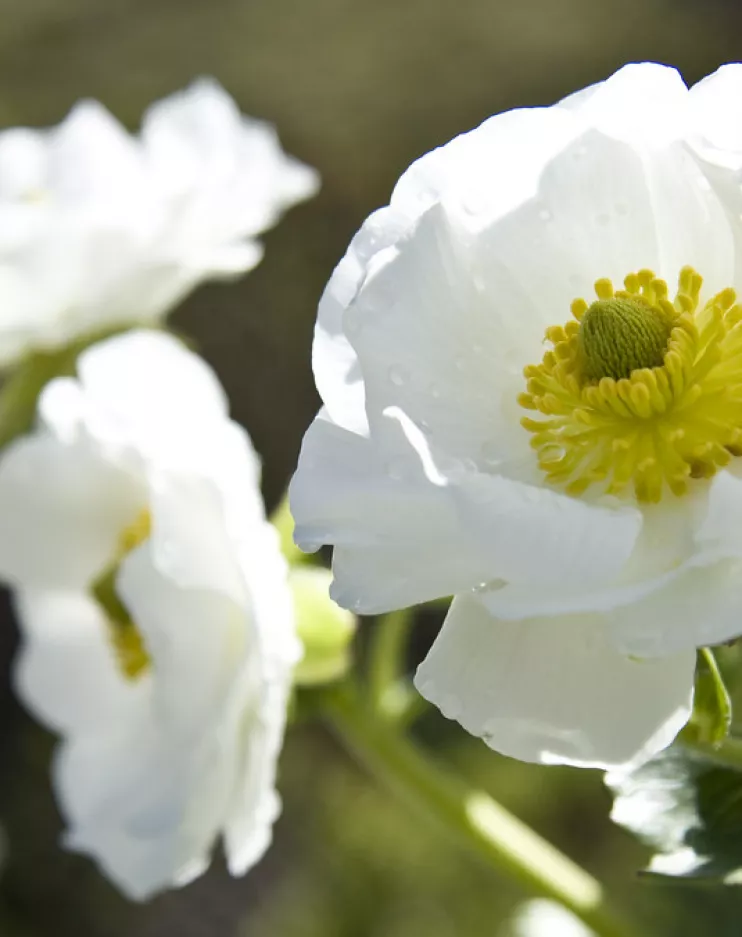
x=545, y=214
x=622, y=209
x=491, y=452
x=435, y=392
x=603, y=219
x=398, y=375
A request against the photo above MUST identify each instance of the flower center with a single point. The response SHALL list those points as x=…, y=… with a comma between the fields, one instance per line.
x=618, y=336
x=128, y=645
x=639, y=391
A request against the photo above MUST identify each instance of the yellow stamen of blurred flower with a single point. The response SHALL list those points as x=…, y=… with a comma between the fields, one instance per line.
x=639, y=391
x=128, y=645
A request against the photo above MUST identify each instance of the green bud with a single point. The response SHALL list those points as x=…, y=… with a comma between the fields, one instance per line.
x=325, y=629
x=284, y=524
x=712, y=706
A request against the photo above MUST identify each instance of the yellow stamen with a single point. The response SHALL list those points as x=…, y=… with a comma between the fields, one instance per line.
x=131, y=654
x=638, y=391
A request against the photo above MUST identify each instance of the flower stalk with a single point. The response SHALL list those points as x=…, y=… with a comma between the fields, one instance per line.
x=470, y=817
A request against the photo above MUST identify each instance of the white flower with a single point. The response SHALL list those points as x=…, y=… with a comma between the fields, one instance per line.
x=99, y=228
x=587, y=522
x=157, y=623
x=542, y=918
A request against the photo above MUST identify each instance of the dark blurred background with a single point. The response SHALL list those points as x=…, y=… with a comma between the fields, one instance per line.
x=358, y=89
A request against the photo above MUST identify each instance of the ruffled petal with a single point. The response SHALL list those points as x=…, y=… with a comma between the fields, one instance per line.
x=67, y=660
x=554, y=690
x=404, y=533
x=63, y=509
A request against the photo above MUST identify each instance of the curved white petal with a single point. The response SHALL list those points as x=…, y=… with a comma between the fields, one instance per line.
x=699, y=607
x=62, y=510
x=554, y=690
x=716, y=107
x=197, y=638
x=168, y=395
x=67, y=660
x=643, y=103
x=404, y=533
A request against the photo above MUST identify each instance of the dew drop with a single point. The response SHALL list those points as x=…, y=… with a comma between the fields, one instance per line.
x=621, y=209
x=398, y=375
x=579, y=152
x=545, y=214
x=435, y=392
x=491, y=453
x=459, y=363
x=603, y=219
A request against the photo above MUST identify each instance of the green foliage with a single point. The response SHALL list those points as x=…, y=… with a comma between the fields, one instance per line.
x=688, y=808
x=712, y=706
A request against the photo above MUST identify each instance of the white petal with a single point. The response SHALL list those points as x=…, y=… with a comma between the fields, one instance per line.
x=147, y=384
x=334, y=359
x=255, y=804
x=402, y=535
x=67, y=660
x=147, y=810
x=62, y=510
x=553, y=690
x=697, y=608
x=716, y=106
x=642, y=103
x=229, y=171
x=198, y=640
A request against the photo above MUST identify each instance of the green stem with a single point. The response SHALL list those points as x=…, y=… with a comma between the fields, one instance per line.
x=470, y=817
x=386, y=662
x=727, y=754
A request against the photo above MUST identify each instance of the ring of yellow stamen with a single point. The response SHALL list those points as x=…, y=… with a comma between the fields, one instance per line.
x=128, y=645
x=660, y=424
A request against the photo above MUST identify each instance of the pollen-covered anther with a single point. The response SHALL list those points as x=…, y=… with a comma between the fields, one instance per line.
x=638, y=392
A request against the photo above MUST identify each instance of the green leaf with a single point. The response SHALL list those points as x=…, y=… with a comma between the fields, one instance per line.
x=689, y=809
x=712, y=707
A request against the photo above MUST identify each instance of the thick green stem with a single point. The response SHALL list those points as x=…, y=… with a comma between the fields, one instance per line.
x=471, y=817
x=386, y=660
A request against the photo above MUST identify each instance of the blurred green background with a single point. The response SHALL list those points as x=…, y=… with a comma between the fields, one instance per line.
x=358, y=89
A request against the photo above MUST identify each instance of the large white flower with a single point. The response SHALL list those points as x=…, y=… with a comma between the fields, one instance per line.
x=99, y=228
x=503, y=424
x=157, y=623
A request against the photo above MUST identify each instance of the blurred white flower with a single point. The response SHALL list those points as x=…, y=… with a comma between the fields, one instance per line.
x=570, y=476
x=99, y=228
x=542, y=918
x=157, y=622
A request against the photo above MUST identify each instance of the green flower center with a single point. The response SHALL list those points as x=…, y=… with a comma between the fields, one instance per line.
x=618, y=336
